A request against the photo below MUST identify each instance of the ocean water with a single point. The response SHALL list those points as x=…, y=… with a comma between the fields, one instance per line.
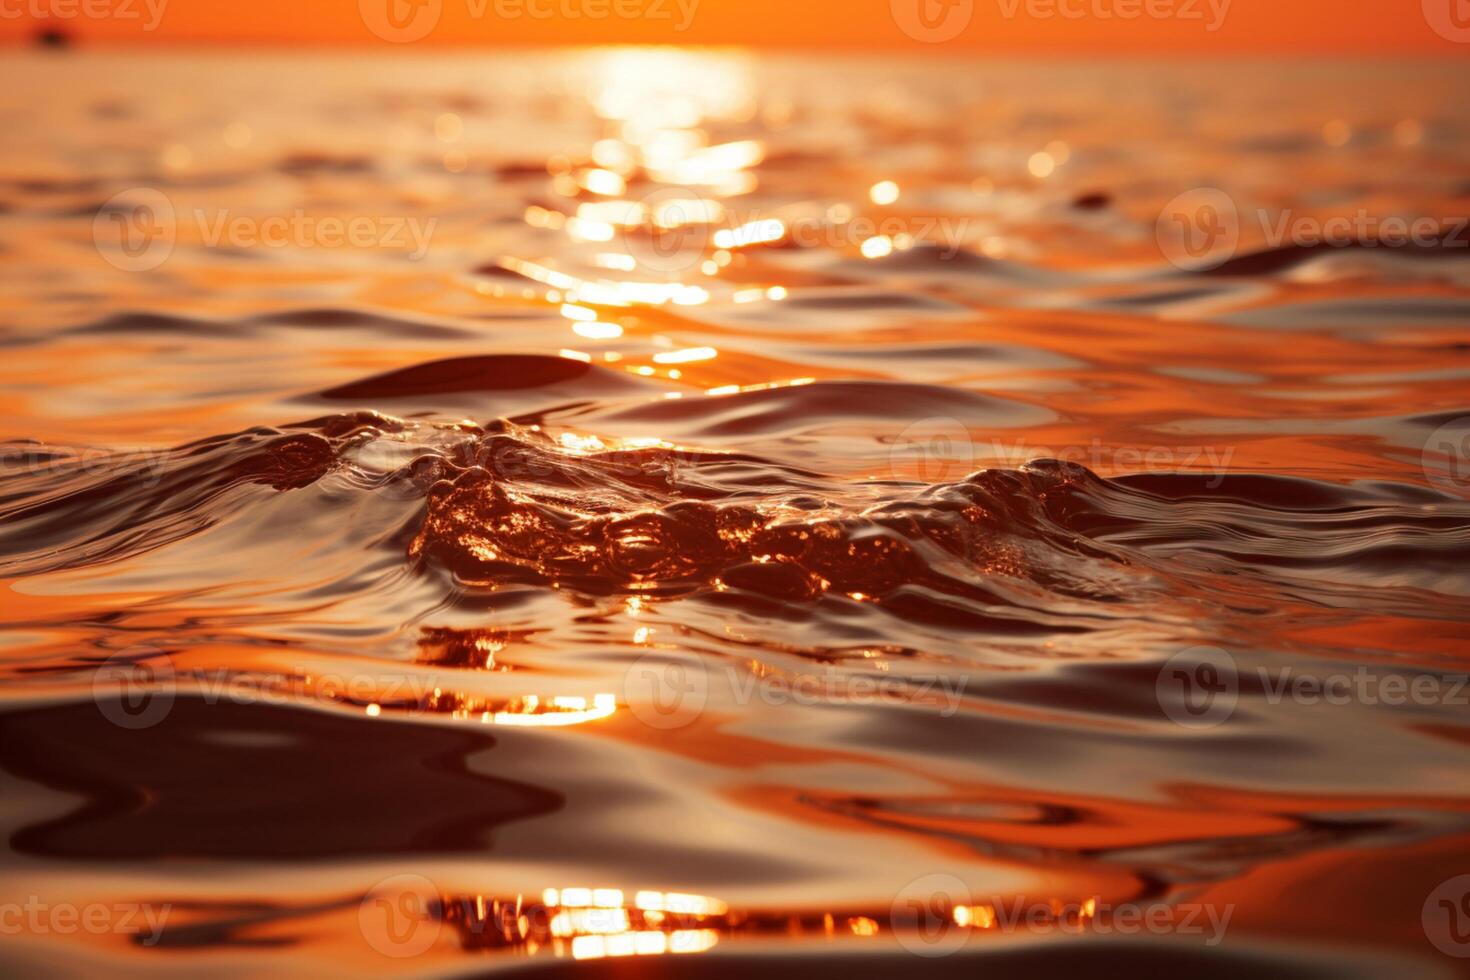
x=700, y=514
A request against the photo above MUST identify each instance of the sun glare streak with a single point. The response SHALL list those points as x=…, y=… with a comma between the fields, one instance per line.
x=686, y=356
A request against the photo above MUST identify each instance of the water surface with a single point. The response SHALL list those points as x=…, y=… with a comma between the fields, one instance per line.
x=512, y=512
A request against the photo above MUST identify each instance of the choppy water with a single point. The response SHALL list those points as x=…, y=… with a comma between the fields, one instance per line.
x=440, y=534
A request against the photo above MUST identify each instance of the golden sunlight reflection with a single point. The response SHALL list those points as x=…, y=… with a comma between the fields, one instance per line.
x=686, y=355
x=589, y=922
x=652, y=186
x=370, y=504
x=653, y=195
x=883, y=192
x=751, y=233
x=527, y=711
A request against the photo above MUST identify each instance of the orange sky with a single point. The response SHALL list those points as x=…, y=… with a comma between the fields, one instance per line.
x=1098, y=27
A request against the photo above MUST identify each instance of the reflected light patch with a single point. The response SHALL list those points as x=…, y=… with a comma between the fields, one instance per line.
x=686, y=355
x=598, y=330
x=561, y=712
x=877, y=247
x=751, y=233
x=603, y=182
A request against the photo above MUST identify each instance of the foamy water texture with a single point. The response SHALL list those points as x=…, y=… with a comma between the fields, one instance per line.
x=782, y=517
